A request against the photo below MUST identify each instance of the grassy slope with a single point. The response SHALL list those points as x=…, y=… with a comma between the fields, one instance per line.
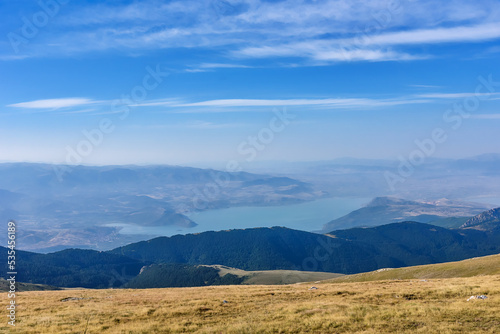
x=450, y=222
x=486, y=265
x=4, y=286
x=434, y=306
x=271, y=277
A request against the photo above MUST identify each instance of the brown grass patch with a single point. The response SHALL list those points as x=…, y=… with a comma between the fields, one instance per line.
x=401, y=306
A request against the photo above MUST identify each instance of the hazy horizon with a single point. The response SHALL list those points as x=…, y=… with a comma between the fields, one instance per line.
x=220, y=164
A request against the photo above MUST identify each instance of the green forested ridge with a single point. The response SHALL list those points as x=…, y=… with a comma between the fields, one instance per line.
x=350, y=251
x=415, y=243
x=76, y=268
x=180, y=275
x=258, y=249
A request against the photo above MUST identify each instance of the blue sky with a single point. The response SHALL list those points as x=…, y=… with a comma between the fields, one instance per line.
x=183, y=82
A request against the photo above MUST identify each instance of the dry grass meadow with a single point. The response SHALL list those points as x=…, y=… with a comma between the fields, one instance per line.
x=391, y=306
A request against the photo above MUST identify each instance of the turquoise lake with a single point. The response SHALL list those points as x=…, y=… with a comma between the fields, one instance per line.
x=309, y=216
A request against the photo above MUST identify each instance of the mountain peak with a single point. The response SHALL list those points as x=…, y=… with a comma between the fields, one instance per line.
x=485, y=220
x=385, y=201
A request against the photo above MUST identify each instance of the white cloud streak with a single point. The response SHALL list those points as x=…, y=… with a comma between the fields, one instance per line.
x=220, y=65
x=330, y=103
x=477, y=33
x=53, y=103
x=457, y=95
x=425, y=86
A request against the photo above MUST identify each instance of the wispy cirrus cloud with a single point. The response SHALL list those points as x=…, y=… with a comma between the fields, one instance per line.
x=329, y=103
x=317, y=31
x=205, y=67
x=222, y=65
x=159, y=102
x=326, y=51
x=180, y=105
x=374, y=47
x=68, y=103
x=475, y=33
x=457, y=95
x=425, y=86
x=53, y=103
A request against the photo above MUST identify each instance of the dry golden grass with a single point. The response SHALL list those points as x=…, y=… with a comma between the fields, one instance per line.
x=271, y=277
x=486, y=265
x=433, y=306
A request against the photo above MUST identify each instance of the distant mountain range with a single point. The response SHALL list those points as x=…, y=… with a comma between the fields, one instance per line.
x=342, y=251
x=81, y=206
x=383, y=210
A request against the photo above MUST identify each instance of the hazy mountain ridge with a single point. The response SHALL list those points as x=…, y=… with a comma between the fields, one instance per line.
x=382, y=210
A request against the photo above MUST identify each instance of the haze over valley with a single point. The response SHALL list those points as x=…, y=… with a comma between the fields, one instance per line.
x=109, y=206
